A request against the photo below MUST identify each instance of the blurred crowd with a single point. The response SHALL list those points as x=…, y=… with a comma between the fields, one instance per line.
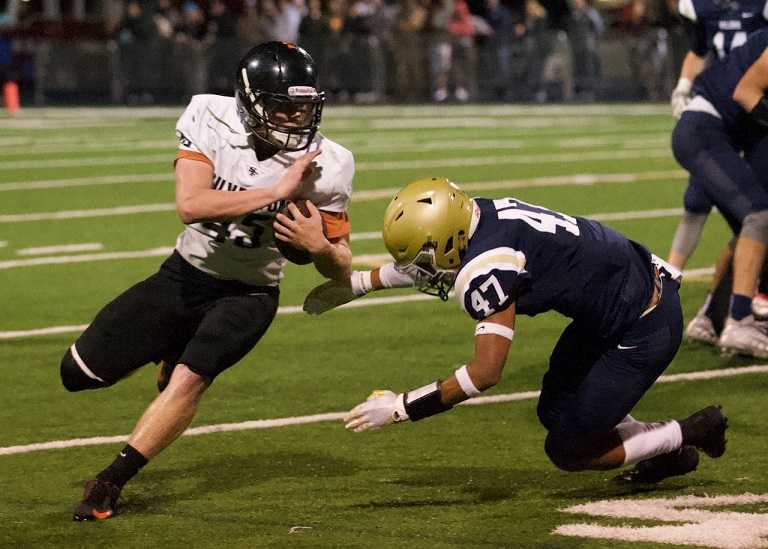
x=400, y=50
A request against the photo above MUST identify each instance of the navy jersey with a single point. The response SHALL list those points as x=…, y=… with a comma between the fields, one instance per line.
x=718, y=81
x=544, y=260
x=720, y=26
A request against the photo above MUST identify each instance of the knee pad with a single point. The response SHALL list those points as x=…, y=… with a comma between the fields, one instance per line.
x=74, y=378
x=755, y=226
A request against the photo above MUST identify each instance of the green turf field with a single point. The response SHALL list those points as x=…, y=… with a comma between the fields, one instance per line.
x=475, y=477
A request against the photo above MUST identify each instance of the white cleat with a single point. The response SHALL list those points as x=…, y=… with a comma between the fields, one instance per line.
x=746, y=337
x=760, y=306
x=700, y=329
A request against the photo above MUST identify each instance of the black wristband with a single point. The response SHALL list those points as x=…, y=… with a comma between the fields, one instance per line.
x=759, y=112
x=424, y=402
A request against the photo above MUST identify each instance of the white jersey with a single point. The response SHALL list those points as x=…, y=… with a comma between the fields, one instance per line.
x=244, y=249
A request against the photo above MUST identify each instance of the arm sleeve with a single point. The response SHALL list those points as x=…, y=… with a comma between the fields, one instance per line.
x=697, y=38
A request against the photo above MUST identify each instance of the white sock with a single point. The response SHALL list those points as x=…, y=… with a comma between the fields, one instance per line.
x=647, y=440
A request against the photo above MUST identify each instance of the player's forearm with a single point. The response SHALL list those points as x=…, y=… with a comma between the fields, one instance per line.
x=751, y=88
x=212, y=205
x=692, y=67
x=334, y=261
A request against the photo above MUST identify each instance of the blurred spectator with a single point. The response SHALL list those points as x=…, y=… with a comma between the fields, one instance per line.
x=283, y=18
x=136, y=36
x=225, y=51
x=166, y=18
x=193, y=37
x=440, y=47
x=250, y=27
x=586, y=26
x=367, y=78
x=539, y=40
x=313, y=37
x=337, y=50
x=648, y=52
x=410, y=63
x=502, y=23
x=462, y=32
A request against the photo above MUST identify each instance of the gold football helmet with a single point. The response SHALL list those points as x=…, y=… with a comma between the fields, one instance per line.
x=426, y=229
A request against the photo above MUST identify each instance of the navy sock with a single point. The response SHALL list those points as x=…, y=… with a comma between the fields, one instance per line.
x=124, y=468
x=741, y=306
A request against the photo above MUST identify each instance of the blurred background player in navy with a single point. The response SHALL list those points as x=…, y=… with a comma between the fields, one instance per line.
x=714, y=28
x=721, y=140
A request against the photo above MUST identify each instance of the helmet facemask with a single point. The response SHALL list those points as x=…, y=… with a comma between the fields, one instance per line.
x=287, y=122
x=427, y=276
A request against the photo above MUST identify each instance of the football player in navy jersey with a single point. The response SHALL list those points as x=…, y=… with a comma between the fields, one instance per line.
x=505, y=257
x=721, y=139
x=714, y=27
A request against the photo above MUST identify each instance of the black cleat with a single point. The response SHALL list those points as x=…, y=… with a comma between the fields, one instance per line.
x=672, y=464
x=705, y=429
x=99, y=501
x=164, y=375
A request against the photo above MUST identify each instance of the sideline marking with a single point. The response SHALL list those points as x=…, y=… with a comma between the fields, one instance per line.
x=335, y=416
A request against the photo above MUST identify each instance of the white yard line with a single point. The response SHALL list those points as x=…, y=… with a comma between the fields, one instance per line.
x=389, y=144
x=378, y=165
x=285, y=310
x=336, y=416
x=96, y=212
x=62, y=248
x=127, y=160
x=543, y=181
x=86, y=181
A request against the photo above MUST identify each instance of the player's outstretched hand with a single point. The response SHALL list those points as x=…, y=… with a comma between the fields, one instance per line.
x=289, y=185
x=381, y=409
x=334, y=293
x=328, y=296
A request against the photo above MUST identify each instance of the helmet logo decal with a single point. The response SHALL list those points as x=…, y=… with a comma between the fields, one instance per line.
x=294, y=91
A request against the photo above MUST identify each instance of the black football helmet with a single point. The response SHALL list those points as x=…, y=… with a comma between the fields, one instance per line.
x=276, y=95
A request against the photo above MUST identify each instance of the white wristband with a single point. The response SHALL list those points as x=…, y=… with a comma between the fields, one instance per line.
x=684, y=86
x=399, y=413
x=465, y=382
x=360, y=282
x=392, y=278
x=487, y=328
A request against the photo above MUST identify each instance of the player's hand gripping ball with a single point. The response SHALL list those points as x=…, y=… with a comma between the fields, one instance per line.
x=292, y=253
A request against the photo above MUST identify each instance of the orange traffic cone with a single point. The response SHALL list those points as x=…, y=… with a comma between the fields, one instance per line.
x=11, y=97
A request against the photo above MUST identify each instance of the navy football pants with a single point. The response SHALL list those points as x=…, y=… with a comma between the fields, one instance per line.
x=592, y=384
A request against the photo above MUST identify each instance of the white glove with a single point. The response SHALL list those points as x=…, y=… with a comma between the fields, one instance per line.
x=381, y=409
x=681, y=96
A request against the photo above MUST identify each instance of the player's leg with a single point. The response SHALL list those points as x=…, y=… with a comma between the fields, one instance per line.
x=697, y=206
x=588, y=424
x=230, y=328
x=135, y=328
x=702, y=146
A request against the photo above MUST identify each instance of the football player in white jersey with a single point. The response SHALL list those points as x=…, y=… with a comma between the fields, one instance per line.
x=240, y=161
